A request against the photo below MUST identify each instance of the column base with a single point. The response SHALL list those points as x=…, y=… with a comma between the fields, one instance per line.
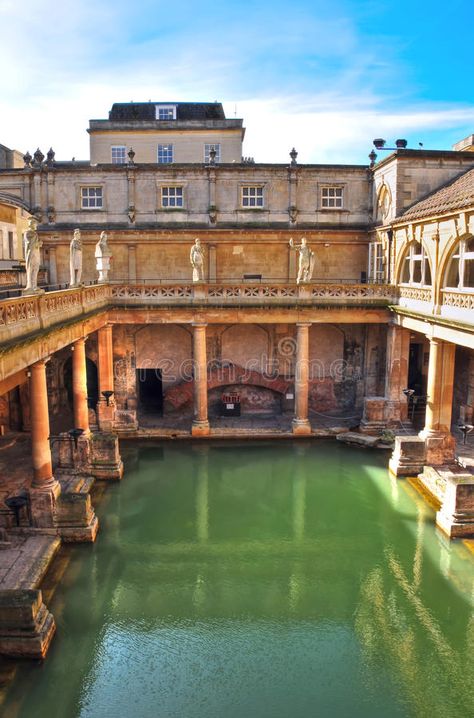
x=408, y=458
x=440, y=448
x=381, y=413
x=106, y=415
x=26, y=625
x=43, y=504
x=301, y=427
x=76, y=520
x=106, y=463
x=456, y=516
x=200, y=428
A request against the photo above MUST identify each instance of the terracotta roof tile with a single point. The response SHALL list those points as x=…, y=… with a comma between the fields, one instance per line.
x=456, y=194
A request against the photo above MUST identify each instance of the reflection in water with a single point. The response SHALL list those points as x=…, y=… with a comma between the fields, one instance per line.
x=261, y=579
x=202, y=496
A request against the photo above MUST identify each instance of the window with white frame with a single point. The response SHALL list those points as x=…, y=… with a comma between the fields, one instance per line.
x=252, y=196
x=172, y=197
x=208, y=148
x=332, y=197
x=91, y=198
x=118, y=154
x=460, y=274
x=376, y=273
x=165, y=112
x=165, y=154
x=416, y=267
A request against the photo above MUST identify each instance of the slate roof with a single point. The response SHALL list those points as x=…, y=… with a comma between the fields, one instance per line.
x=185, y=110
x=456, y=194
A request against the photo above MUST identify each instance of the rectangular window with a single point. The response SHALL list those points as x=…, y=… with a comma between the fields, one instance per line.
x=165, y=154
x=208, y=148
x=172, y=197
x=165, y=112
x=91, y=198
x=118, y=155
x=252, y=196
x=332, y=197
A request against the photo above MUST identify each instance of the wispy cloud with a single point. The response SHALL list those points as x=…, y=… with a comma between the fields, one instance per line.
x=303, y=75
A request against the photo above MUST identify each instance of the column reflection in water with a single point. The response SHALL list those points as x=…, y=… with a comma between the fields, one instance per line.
x=202, y=518
x=202, y=494
x=296, y=580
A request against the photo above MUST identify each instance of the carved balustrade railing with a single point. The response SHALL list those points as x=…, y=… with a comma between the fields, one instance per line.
x=260, y=294
x=418, y=294
x=459, y=299
x=20, y=316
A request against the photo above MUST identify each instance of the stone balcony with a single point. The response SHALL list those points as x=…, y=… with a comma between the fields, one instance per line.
x=262, y=294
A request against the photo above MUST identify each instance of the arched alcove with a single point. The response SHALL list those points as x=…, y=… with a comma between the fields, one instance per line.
x=246, y=345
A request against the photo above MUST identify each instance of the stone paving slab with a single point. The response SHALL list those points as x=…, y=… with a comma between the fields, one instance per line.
x=25, y=563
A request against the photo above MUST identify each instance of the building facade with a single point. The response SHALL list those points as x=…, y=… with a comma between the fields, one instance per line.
x=384, y=320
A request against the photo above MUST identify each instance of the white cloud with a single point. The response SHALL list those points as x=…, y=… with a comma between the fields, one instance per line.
x=298, y=77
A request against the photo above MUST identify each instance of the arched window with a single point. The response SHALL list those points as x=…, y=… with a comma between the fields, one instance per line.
x=416, y=267
x=384, y=203
x=460, y=274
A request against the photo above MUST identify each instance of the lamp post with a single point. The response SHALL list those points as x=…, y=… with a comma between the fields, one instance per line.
x=107, y=395
x=465, y=429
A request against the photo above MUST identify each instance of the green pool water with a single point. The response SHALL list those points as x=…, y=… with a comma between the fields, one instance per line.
x=258, y=580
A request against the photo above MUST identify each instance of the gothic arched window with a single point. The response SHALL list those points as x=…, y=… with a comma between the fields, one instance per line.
x=415, y=266
x=460, y=273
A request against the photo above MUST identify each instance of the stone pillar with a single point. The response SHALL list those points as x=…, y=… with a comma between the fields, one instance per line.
x=44, y=489
x=79, y=386
x=396, y=378
x=53, y=269
x=200, y=425
x=391, y=409
x=105, y=410
x=301, y=424
x=440, y=444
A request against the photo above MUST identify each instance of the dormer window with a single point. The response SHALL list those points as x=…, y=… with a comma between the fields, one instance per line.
x=165, y=112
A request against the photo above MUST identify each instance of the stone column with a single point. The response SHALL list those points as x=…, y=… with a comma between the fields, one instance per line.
x=396, y=378
x=79, y=385
x=391, y=409
x=440, y=444
x=200, y=425
x=45, y=489
x=301, y=424
x=105, y=413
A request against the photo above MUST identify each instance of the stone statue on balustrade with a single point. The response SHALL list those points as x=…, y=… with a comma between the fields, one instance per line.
x=196, y=257
x=75, y=259
x=103, y=256
x=31, y=247
x=306, y=261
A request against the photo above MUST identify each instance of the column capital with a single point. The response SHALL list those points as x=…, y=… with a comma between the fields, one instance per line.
x=303, y=324
x=199, y=325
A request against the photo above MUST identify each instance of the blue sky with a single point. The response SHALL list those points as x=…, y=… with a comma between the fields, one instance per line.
x=326, y=77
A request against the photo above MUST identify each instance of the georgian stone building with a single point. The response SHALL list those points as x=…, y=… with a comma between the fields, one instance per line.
x=389, y=307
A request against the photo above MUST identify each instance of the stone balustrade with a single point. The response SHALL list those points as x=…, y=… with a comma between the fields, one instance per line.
x=26, y=315
x=254, y=294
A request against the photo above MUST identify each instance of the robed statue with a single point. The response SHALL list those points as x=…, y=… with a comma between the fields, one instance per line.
x=102, y=257
x=75, y=259
x=31, y=247
x=306, y=261
x=196, y=257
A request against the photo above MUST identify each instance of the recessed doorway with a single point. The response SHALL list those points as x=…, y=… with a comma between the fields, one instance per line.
x=150, y=390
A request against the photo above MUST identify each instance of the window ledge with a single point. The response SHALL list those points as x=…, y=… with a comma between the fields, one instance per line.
x=341, y=210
